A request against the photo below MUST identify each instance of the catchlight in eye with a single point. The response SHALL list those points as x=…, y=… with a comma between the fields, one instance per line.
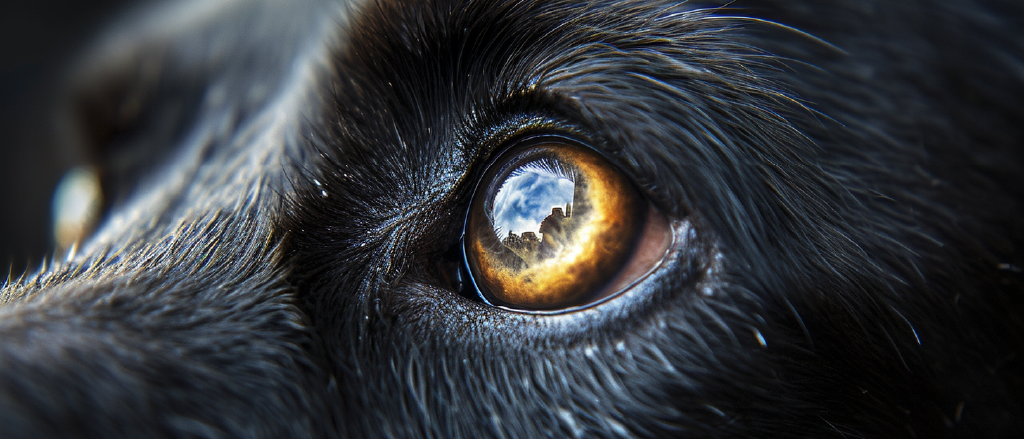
x=552, y=226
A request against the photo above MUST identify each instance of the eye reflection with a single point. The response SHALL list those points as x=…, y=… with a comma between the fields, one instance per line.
x=555, y=224
x=535, y=207
x=525, y=200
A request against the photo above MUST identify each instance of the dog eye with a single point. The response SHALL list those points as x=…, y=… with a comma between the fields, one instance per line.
x=553, y=225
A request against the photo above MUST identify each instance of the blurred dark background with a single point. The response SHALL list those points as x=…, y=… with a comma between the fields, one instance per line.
x=37, y=40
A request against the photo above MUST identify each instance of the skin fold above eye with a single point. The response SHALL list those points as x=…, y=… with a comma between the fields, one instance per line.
x=552, y=226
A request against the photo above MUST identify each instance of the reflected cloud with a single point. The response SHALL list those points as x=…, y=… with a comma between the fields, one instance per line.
x=527, y=197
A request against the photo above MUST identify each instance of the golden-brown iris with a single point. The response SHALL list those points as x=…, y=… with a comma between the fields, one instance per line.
x=552, y=227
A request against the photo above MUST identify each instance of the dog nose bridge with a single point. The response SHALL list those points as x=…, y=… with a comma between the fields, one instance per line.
x=200, y=318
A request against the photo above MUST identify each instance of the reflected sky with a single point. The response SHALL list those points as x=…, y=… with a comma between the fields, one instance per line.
x=526, y=199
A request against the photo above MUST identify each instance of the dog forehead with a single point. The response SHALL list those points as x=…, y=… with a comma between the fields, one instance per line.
x=428, y=87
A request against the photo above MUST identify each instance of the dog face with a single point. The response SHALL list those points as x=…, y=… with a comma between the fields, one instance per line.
x=794, y=219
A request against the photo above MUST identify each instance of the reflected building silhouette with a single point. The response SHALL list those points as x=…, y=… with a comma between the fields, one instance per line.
x=522, y=245
x=554, y=230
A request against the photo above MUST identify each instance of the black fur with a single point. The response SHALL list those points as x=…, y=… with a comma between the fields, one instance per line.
x=846, y=179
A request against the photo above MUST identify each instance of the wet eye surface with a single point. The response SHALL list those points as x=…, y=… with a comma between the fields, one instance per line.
x=555, y=226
